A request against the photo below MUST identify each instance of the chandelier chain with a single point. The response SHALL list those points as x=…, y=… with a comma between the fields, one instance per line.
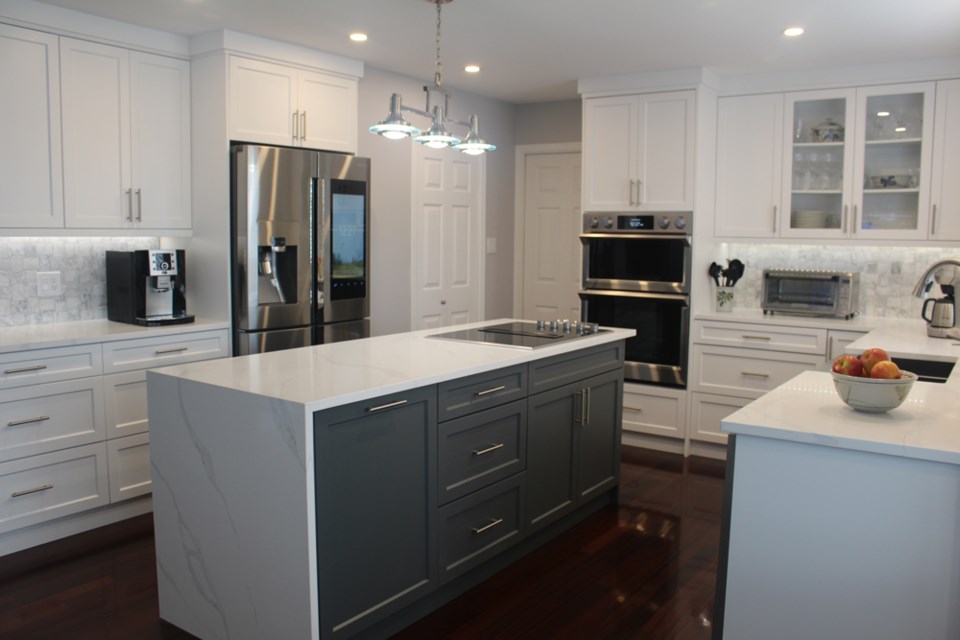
x=438, y=73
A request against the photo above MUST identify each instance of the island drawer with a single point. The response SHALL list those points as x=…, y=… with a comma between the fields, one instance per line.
x=51, y=416
x=480, y=449
x=746, y=372
x=37, y=366
x=465, y=395
x=147, y=353
x=761, y=336
x=557, y=371
x=478, y=527
x=52, y=485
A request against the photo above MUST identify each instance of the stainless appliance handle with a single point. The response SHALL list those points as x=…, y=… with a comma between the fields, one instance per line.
x=634, y=294
x=636, y=236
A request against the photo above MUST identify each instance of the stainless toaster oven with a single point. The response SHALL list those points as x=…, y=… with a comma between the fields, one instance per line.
x=811, y=293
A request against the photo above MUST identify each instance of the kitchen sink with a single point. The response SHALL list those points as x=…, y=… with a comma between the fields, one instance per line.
x=927, y=370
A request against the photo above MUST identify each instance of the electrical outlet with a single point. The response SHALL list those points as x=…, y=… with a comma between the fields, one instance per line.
x=48, y=284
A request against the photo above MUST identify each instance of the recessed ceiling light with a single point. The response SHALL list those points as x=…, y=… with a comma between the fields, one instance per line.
x=358, y=37
x=472, y=68
x=793, y=32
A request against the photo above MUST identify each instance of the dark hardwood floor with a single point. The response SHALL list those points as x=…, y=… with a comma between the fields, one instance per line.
x=643, y=570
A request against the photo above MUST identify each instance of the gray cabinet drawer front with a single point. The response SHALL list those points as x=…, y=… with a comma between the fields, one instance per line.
x=480, y=526
x=483, y=391
x=482, y=448
x=578, y=365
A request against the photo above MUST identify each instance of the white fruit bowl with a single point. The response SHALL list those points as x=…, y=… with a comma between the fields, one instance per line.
x=873, y=395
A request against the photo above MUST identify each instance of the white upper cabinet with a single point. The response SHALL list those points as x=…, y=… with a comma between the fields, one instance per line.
x=638, y=152
x=126, y=138
x=278, y=104
x=749, y=150
x=31, y=179
x=945, y=189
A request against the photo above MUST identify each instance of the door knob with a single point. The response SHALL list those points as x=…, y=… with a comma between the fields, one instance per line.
x=443, y=302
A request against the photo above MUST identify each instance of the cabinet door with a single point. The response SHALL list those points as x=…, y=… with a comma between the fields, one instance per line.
x=31, y=178
x=665, y=151
x=609, y=153
x=263, y=102
x=96, y=134
x=945, y=200
x=892, y=173
x=376, y=491
x=838, y=340
x=749, y=158
x=328, y=112
x=551, y=442
x=598, y=447
x=160, y=145
x=706, y=412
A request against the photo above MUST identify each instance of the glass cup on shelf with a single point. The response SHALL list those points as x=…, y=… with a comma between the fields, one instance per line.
x=811, y=178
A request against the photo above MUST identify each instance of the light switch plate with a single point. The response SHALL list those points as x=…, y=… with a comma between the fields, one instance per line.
x=48, y=284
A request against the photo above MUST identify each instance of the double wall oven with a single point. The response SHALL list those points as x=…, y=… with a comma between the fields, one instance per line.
x=636, y=275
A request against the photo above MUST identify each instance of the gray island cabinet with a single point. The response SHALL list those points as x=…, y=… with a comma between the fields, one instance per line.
x=389, y=493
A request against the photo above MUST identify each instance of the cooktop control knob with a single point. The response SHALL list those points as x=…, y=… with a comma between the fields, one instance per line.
x=608, y=223
x=594, y=222
x=680, y=222
x=554, y=325
x=566, y=326
x=541, y=325
x=664, y=222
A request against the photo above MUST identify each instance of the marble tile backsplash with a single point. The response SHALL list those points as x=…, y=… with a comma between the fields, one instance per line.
x=80, y=262
x=887, y=274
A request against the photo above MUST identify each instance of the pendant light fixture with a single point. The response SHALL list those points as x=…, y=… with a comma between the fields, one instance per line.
x=395, y=127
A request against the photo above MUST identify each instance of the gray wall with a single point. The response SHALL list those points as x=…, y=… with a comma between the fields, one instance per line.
x=549, y=122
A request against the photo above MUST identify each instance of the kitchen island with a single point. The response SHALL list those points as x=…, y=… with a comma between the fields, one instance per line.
x=346, y=490
x=841, y=524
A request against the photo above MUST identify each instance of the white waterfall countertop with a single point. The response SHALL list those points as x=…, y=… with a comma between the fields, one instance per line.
x=330, y=375
x=808, y=410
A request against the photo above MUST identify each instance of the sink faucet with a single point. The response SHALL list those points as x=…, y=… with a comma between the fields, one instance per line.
x=927, y=279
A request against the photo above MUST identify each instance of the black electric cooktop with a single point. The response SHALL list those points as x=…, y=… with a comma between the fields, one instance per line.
x=520, y=335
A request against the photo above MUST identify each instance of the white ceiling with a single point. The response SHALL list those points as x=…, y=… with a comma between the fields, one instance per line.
x=535, y=50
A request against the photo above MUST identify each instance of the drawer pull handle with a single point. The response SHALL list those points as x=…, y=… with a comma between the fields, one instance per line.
x=161, y=352
x=26, y=492
x=487, y=527
x=634, y=409
x=753, y=374
x=489, y=449
x=17, y=423
x=749, y=337
x=487, y=392
x=389, y=405
x=36, y=367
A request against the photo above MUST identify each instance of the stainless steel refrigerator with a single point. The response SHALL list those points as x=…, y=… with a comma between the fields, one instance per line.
x=300, y=225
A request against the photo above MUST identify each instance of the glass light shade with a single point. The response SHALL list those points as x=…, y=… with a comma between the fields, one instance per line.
x=437, y=137
x=394, y=127
x=474, y=145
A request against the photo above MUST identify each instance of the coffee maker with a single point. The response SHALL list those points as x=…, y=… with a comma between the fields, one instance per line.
x=147, y=287
x=942, y=320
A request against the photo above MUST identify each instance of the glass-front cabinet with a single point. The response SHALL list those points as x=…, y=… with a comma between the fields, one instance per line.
x=856, y=163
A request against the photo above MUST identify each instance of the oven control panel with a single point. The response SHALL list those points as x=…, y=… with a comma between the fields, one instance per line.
x=667, y=223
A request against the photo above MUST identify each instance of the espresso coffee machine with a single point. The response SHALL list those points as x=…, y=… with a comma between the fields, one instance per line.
x=147, y=287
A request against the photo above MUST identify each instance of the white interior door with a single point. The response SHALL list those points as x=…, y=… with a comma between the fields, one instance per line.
x=447, y=237
x=551, y=248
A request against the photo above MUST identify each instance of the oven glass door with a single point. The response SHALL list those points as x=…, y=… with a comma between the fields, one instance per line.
x=635, y=262
x=658, y=353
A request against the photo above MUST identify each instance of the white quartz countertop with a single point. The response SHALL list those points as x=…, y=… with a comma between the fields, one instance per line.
x=325, y=376
x=857, y=323
x=808, y=410
x=65, y=334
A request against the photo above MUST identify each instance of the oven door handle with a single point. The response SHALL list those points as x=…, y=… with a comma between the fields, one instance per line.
x=636, y=236
x=635, y=294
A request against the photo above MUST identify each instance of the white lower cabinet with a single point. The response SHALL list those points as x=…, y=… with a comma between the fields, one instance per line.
x=125, y=397
x=128, y=460
x=658, y=411
x=747, y=372
x=706, y=412
x=838, y=340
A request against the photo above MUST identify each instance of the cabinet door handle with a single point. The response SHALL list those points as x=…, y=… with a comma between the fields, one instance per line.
x=487, y=392
x=161, y=352
x=17, y=423
x=36, y=367
x=586, y=414
x=854, y=222
x=639, y=192
x=296, y=125
x=26, y=492
x=631, y=191
x=749, y=337
x=846, y=210
x=389, y=405
x=754, y=374
x=303, y=125
x=139, y=206
x=489, y=449
x=774, y=218
x=489, y=526
x=933, y=221
x=129, y=205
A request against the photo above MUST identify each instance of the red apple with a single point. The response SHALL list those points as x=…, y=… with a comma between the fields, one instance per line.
x=848, y=365
x=885, y=370
x=871, y=357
